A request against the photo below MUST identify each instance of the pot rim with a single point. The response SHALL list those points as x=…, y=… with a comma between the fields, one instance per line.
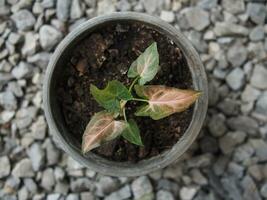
x=145, y=166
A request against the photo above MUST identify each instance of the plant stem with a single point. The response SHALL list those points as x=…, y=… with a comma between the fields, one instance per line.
x=137, y=99
x=124, y=114
x=134, y=81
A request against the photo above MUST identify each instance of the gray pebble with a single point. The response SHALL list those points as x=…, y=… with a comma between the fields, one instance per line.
x=257, y=33
x=142, y=188
x=4, y=166
x=63, y=9
x=23, y=19
x=49, y=37
x=164, y=195
x=23, y=169
x=121, y=194
x=259, y=77
x=197, y=18
x=37, y=156
x=236, y=79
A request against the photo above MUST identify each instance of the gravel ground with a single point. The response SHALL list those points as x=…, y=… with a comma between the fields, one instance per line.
x=229, y=159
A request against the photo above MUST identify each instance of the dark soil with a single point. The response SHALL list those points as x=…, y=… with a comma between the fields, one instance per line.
x=106, y=55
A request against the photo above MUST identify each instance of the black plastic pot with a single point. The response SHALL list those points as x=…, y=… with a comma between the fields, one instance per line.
x=71, y=145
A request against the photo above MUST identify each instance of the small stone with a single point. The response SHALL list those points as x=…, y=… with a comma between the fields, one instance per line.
x=142, y=188
x=14, y=38
x=256, y=12
x=250, y=189
x=167, y=16
x=207, y=4
x=63, y=9
x=230, y=140
x=23, y=70
x=59, y=173
x=87, y=196
x=49, y=37
x=259, y=77
x=208, y=144
x=39, y=128
x=48, y=3
x=8, y=100
x=30, y=185
x=37, y=8
x=168, y=185
x=30, y=44
x=81, y=185
x=164, y=195
x=4, y=166
x=76, y=10
x=23, y=169
x=53, y=196
x=234, y=6
x=243, y=123
x=23, y=19
x=52, y=153
x=188, y=193
x=217, y=125
x=105, y=7
x=152, y=6
x=196, y=38
x=106, y=185
x=3, y=54
x=48, y=180
x=264, y=190
x=236, y=170
x=261, y=104
x=230, y=29
x=121, y=194
x=198, y=177
x=256, y=172
x=62, y=187
x=256, y=50
x=11, y=185
x=40, y=59
x=197, y=18
x=232, y=188
x=250, y=94
x=229, y=106
x=236, y=79
x=202, y=160
x=257, y=34
x=72, y=197
x=243, y=153
x=37, y=156
x=237, y=55
x=123, y=5
x=6, y=116
x=260, y=147
x=23, y=193
x=15, y=88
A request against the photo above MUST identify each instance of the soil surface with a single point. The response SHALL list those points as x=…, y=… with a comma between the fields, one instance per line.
x=106, y=55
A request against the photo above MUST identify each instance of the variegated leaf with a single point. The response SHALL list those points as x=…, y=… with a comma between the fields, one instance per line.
x=164, y=101
x=101, y=128
x=146, y=65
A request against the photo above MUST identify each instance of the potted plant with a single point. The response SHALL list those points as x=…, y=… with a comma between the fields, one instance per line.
x=125, y=94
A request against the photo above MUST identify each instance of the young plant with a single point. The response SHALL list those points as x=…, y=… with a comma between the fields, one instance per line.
x=158, y=102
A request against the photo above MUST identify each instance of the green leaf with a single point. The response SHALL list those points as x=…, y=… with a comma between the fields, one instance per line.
x=110, y=97
x=132, y=133
x=164, y=101
x=101, y=128
x=146, y=65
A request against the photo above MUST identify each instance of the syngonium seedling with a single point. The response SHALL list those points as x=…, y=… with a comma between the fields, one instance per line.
x=159, y=101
